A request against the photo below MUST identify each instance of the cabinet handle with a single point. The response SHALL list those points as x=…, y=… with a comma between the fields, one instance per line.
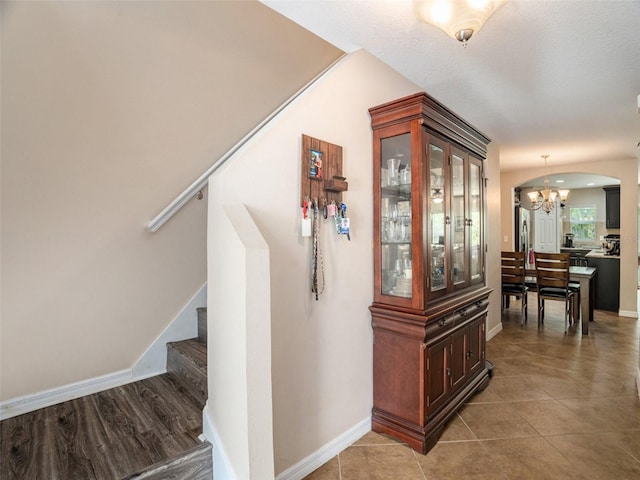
x=469, y=353
x=442, y=322
x=462, y=312
x=468, y=222
x=447, y=220
x=448, y=372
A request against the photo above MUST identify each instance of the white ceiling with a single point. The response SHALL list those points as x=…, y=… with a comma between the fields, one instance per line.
x=560, y=77
x=572, y=181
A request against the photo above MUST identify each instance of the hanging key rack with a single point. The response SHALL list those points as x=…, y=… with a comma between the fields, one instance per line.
x=322, y=178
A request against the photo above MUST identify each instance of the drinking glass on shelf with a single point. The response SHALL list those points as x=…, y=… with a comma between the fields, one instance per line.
x=405, y=176
x=384, y=207
x=405, y=230
x=385, y=178
x=394, y=170
x=392, y=231
x=393, y=212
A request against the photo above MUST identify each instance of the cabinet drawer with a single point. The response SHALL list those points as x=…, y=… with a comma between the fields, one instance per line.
x=444, y=324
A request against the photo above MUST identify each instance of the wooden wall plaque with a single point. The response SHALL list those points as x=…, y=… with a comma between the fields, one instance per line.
x=321, y=172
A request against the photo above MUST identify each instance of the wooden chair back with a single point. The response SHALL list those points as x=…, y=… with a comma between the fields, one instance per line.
x=513, y=268
x=552, y=270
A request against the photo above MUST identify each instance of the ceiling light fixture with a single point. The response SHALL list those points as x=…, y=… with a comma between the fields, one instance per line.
x=459, y=19
x=545, y=199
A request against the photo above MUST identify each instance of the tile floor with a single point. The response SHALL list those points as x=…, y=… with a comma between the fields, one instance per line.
x=558, y=407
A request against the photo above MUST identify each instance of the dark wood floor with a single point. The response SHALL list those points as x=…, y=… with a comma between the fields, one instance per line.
x=108, y=435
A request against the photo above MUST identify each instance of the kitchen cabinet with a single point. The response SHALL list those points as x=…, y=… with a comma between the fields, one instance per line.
x=607, y=281
x=430, y=297
x=612, y=206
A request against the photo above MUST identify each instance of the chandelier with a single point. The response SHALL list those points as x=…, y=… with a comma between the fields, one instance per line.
x=459, y=19
x=545, y=199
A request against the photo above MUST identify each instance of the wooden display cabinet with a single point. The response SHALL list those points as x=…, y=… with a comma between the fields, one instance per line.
x=430, y=298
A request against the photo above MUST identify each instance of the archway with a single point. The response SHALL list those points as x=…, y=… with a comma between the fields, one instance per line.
x=580, y=219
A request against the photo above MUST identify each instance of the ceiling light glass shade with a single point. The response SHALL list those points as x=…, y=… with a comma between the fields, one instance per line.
x=459, y=19
x=545, y=199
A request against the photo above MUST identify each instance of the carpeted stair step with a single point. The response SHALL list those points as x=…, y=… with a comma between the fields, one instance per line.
x=193, y=464
x=187, y=364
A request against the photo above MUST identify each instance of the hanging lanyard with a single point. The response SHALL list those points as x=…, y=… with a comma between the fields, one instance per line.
x=317, y=267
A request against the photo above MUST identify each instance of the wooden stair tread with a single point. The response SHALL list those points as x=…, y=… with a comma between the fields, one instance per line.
x=104, y=435
x=187, y=364
x=150, y=427
x=194, y=464
x=192, y=349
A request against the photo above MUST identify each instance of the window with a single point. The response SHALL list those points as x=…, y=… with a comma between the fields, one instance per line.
x=583, y=222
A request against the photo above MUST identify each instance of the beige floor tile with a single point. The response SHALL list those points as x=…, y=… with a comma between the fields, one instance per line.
x=628, y=441
x=519, y=388
x=560, y=388
x=488, y=395
x=328, y=471
x=529, y=458
x=373, y=438
x=504, y=367
x=608, y=384
x=504, y=350
x=594, y=456
x=602, y=413
x=382, y=462
x=552, y=418
x=496, y=420
x=458, y=460
x=456, y=430
x=629, y=403
x=530, y=364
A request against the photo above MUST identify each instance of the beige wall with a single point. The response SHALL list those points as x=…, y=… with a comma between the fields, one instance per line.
x=109, y=110
x=627, y=172
x=238, y=417
x=493, y=272
x=322, y=350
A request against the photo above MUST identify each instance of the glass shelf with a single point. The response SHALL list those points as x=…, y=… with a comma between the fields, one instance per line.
x=395, y=216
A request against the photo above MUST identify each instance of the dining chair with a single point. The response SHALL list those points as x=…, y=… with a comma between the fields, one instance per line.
x=513, y=280
x=552, y=278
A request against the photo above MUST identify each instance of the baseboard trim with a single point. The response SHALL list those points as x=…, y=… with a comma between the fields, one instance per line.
x=222, y=469
x=153, y=362
x=638, y=379
x=494, y=331
x=627, y=313
x=28, y=403
x=325, y=453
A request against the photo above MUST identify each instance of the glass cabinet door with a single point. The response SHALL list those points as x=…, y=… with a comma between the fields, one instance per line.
x=458, y=220
x=475, y=227
x=437, y=220
x=395, y=216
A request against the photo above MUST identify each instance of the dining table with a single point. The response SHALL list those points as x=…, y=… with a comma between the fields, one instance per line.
x=584, y=276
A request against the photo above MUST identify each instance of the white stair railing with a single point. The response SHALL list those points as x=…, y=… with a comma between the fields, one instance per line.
x=192, y=190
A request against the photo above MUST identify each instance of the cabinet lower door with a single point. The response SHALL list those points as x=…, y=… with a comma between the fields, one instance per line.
x=459, y=348
x=475, y=346
x=437, y=378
